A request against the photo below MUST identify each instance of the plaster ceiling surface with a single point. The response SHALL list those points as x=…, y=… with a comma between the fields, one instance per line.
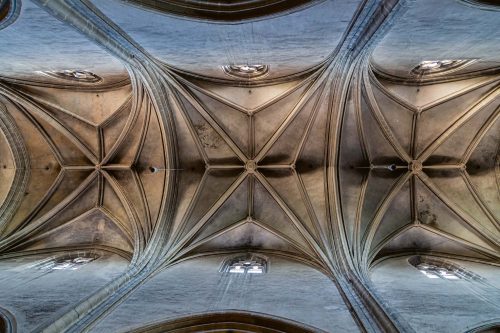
x=7, y=164
x=288, y=44
x=437, y=30
x=339, y=166
x=253, y=172
x=421, y=177
x=83, y=157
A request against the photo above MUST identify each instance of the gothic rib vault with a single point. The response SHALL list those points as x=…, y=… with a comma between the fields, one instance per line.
x=334, y=158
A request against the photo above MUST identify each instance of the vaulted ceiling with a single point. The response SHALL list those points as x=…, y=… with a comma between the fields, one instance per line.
x=419, y=167
x=124, y=127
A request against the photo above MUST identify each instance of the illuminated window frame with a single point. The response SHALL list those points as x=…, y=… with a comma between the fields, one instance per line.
x=249, y=263
x=69, y=261
x=438, y=67
x=434, y=268
x=77, y=75
x=246, y=71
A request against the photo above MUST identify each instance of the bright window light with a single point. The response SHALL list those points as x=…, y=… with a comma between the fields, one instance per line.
x=66, y=263
x=437, y=66
x=246, y=71
x=436, y=272
x=250, y=264
x=429, y=275
x=437, y=268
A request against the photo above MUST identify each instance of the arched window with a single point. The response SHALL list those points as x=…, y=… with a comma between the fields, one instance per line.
x=70, y=261
x=432, y=67
x=245, y=264
x=74, y=75
x=246, y=71
x=439, y=269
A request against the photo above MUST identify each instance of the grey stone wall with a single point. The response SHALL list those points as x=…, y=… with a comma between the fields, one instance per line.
x=438, y=305
x=37, y=296
x=289, y=289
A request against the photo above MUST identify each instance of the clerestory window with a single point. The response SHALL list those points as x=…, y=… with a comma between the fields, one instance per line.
x=248, y=264
x=67, y=262
x=434, y=268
